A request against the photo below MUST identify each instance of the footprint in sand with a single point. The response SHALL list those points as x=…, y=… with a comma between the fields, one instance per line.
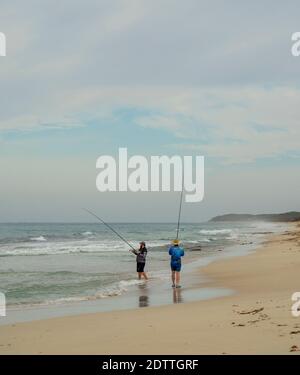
x=264, y=317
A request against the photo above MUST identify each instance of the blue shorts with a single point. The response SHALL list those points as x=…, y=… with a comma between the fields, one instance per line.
x=176, y=266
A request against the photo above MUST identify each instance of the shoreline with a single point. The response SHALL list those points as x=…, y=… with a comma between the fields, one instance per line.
x=143, y=294
x=255, y=319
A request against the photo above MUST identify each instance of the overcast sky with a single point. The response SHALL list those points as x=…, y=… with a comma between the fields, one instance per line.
x=83, y=78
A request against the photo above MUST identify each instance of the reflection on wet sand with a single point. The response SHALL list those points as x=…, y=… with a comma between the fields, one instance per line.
x=143, y=301
x=143, y=298
x=177, y=296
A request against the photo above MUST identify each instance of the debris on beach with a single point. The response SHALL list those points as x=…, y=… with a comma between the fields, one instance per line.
x=238, y=325
x=253, y=312
x=253, y=321
x=294, y=332
x=264, y=317
x=294, y=348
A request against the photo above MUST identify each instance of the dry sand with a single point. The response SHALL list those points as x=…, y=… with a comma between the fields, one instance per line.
x=257, y=319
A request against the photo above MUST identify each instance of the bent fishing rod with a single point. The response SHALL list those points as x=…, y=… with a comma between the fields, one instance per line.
x=111, y=228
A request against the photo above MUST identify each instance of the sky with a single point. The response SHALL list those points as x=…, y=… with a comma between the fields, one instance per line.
x=162, y=77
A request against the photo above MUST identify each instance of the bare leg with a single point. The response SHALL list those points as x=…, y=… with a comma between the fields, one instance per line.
x=177, y=278
x=173, y=277
x=145, y=275
x=140, y=275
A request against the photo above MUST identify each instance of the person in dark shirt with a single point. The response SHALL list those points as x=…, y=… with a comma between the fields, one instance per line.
x=141, y=254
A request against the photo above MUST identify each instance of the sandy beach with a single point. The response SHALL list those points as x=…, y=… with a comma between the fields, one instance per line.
x=256, y=319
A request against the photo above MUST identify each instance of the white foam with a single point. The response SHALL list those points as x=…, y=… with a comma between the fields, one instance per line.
x=40, y=238
x=233, y=236
x=87, y=233
x=216, y=231
x=115, y=289
x=44, y=247
x=123, y=284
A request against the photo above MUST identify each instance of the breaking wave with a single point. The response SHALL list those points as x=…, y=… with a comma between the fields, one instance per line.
x=215, y=231
x=40, y=238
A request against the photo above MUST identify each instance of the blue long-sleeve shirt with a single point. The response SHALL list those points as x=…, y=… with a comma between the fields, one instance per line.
x=176, y=253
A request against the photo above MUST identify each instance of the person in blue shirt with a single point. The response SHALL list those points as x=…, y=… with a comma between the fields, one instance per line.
x=176, y=252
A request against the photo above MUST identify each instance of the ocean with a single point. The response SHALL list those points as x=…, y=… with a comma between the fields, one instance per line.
x=52, y=264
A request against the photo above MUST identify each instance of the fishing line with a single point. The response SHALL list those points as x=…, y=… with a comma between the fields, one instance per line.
x=180, y=206
x=111, y=228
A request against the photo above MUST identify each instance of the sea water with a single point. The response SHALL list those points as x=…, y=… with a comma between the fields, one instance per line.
x=53, y=264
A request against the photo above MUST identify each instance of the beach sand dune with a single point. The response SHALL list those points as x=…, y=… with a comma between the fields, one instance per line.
x=256, y=319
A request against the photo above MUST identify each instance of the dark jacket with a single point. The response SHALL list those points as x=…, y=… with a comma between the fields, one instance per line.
x=141, y=255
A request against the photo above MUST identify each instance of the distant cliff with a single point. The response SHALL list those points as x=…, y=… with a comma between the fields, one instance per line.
x=285, y=217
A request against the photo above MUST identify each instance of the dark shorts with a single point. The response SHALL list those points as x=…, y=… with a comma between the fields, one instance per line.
x=140, y=267
x=176, y=266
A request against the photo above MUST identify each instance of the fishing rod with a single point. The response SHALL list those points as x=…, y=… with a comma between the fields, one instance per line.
x=180, y=206
x=111, y=228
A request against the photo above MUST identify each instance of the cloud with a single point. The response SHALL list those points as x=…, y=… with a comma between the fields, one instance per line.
x=218, y=76
x=233, y=124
